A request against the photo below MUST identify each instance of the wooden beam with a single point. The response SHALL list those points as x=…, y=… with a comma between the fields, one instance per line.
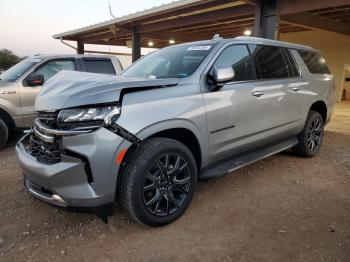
x=297, y=6
x=195, y=7
x=252, y=2
x=118, y=34
x=246, y=25
x=316, y=22
x=214, y=25
x=199, y=18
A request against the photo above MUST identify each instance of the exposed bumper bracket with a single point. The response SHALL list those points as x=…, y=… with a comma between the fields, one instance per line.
x=125, y=134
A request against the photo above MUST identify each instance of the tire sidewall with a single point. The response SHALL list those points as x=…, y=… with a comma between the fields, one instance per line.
x=3, y=133
x=138, y=173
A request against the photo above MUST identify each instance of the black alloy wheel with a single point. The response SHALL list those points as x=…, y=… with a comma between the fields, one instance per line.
x=315, y=133
x=166, y=184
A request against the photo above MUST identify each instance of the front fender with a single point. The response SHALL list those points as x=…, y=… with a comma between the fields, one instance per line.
x=149, y=112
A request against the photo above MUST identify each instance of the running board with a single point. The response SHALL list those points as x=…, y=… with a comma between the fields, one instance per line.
x=241, y=161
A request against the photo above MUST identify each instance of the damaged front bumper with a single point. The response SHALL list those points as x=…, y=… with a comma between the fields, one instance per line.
x=85, y=174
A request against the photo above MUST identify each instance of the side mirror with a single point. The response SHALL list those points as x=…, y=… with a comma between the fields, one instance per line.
x=222, y=75
x=35, y=80
x=218, y=76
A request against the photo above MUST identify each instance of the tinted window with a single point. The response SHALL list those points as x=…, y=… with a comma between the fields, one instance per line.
x=52, y=67
x=314, y=62
x=269, y=62
x=238, y=57
x=172, y=62
x=292, y=66
x=103, y=66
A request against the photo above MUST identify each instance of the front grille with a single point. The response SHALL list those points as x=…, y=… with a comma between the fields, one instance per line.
x=46, y=153
x=48, y=118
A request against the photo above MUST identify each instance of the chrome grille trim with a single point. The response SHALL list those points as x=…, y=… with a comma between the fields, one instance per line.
x=57, y=132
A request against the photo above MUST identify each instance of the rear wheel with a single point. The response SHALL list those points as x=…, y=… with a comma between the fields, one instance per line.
x=158, y=182
x=3, y=133
x=310, y=139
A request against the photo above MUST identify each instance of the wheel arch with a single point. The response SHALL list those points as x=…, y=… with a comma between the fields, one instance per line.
x=320, y=107
x=6, y=117
x=181, y=130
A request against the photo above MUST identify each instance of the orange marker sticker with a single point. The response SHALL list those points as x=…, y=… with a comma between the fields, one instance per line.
x=120, y=156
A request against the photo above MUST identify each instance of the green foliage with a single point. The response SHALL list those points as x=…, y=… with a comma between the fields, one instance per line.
x=8, y=59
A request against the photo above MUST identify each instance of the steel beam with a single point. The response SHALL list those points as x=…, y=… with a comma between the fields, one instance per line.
x=266, y=20
x=80, y=48
x=136, y=44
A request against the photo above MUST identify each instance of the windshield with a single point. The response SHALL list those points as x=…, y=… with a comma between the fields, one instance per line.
x=13, y=73
x=172, y=62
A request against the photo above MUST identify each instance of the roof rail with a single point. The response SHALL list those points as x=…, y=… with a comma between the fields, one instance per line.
x=217, y=37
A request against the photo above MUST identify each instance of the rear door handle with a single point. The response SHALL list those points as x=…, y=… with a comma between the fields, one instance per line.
x=258, y=93
x=295, y=89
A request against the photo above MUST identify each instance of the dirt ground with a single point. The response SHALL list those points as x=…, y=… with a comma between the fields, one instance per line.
x=283, y=208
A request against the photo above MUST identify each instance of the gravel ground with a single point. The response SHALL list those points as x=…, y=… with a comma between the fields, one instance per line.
x=283, y=208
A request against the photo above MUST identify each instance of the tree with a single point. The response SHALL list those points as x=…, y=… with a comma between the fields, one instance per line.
x=8, y=58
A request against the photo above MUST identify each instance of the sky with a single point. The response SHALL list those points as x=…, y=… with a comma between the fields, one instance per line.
x=27, y=26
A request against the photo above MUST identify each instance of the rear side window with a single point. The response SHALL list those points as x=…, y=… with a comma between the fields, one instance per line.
x=314, y=62
x=238, y=57
x=269, y=62
x=292, y=66
x=52, y=67
x=102, y=66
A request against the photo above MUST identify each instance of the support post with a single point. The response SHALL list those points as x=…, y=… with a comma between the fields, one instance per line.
x=266, y=20
x=80, y=48
x=136, y=44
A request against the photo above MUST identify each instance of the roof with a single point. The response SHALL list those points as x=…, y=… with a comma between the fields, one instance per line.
x=264, y=41
x=174, y=21
x=46, y=56
x=190, y=20
x=130, y=17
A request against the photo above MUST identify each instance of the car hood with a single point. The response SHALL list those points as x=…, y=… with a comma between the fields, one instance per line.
x=72, y=89
x=5, y=84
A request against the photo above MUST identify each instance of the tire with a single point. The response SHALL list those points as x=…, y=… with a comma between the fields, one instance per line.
x=158, y=182
x=310, y=139
x=4, y=133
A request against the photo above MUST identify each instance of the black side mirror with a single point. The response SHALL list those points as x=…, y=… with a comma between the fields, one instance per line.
x=218, y=76
x=35, y=80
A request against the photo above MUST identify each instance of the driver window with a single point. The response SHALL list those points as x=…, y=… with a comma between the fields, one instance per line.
x=52, y=67
x=238, y=57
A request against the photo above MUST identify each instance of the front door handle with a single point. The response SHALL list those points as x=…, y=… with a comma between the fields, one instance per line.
x=258, y=93
x=295, y=89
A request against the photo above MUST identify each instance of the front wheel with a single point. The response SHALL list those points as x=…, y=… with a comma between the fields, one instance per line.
x=310, y=139
x=158, y=182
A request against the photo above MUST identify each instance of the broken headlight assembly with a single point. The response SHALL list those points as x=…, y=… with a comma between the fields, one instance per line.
x=94, y=117
x=89, y=116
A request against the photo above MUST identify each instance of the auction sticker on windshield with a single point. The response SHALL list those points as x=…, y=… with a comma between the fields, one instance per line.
x=199, y=48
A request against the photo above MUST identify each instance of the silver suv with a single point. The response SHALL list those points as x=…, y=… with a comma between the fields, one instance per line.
x=20, y=85
x=187, y=112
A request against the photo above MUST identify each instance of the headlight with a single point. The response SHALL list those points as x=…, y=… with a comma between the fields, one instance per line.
x=106, y=114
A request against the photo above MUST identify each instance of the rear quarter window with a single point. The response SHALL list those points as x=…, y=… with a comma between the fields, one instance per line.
x=314, y=62
x=102, y=66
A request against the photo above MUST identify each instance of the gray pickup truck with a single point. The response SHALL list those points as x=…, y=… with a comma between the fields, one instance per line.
x=186, y=112
x=20, y=85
